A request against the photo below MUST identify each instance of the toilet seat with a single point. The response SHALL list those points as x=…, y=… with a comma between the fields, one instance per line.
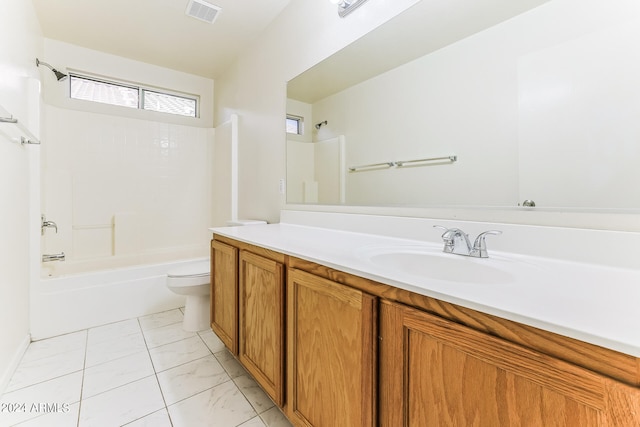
x=198, y=269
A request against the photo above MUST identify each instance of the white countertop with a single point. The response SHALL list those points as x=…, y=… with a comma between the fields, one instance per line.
x=597, y=304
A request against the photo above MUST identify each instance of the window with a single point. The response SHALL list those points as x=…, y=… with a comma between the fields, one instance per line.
x=165, y=103
x=104, y=92
x=125, y=95
x=294, y=124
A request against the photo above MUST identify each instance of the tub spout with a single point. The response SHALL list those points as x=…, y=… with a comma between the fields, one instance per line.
x=53, y=257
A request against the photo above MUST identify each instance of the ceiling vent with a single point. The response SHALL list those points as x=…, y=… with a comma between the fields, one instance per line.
x=203, y=11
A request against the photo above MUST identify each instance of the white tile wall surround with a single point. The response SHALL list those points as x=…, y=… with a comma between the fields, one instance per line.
x=124, y=186
x=190, y=382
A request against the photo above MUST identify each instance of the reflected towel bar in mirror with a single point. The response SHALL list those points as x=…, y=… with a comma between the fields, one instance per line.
x=372, y=166
x=402, y=163
x=418, y=162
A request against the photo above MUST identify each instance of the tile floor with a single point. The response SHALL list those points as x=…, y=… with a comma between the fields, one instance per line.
x=139, y=372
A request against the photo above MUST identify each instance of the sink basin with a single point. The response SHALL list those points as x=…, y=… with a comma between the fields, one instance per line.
x=430, y=263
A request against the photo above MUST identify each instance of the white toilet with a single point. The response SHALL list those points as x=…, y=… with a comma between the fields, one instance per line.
x=193, y=280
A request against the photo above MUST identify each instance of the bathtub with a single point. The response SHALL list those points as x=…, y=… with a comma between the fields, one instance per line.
x=63, y=303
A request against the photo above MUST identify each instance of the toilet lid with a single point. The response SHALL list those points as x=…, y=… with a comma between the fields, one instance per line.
x=195, y=269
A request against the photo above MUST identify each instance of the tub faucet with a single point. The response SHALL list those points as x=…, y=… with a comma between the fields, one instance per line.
x=457, y=242
x=47, y=224
x=53, y=257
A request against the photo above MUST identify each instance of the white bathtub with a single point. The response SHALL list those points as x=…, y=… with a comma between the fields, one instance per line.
x=68, y=303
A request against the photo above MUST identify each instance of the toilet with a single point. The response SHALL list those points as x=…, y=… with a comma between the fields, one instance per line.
x=193, y=280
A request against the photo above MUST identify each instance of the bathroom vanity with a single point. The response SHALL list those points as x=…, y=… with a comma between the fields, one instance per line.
x=337, y=332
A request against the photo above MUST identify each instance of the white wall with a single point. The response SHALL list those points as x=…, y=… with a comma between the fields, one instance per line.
x=255, y=88
x=19, y=95
x=123, y=182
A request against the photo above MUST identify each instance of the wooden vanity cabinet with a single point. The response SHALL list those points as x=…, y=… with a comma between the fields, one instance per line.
x=261, y=334
x=435, y=372
x=331, y=353
x=333, y=349
x=224, y=293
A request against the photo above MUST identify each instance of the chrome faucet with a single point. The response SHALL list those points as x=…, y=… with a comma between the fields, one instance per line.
x=47, y=224
x=53, y=257
x=457, y=242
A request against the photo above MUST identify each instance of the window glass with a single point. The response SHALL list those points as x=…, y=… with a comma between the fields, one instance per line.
x=104, y=92
x=294, y=125
x=125, y=95
x=172, y=104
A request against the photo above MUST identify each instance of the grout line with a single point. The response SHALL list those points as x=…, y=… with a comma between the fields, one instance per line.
x=41, y=382
x=84, y=367
x=82, y=396
x=155, y=373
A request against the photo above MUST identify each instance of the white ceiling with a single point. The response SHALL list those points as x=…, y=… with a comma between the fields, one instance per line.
x=423, y=28
x=158, y=31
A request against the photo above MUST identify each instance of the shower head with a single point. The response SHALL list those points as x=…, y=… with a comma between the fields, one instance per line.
x=60, y=76
x=319, y=125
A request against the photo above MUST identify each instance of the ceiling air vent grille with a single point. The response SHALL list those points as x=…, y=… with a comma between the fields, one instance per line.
x=203, y=11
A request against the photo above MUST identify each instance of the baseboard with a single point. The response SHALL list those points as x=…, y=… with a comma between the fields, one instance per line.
x=15, y=361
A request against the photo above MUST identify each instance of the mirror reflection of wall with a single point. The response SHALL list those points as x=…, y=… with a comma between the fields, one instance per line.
x=543, y=106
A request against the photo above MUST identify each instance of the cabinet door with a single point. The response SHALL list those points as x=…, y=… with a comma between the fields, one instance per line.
x=224, y=293
x=435, y=372
x=262, y=322
x=330, y=353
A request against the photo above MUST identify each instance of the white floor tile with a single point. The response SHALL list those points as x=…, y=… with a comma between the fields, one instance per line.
x=113, y=330
x=138, y=372
x=46, y=368
x=253, y=422
x=222, y=406
x=230, y=364
x=65, y=417
x=171, y=355
x=166, y=335
x=275, y=418
x=115, y=373
x=56, y=345
x=157, y=419
x=122, y=405
x=212, y=341
x=60, y=391
x=191, y=378
x=254, y=394
x=161, y=319
x=114, y=348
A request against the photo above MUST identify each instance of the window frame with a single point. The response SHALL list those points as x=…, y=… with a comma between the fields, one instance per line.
x=141, y=90
x=299, y=120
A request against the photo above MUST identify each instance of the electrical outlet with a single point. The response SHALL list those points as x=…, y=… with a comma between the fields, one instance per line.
x=281, y=186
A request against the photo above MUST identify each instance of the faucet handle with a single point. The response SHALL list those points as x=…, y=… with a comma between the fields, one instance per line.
x=480, y=246
x=455, y=241
x=447, y=237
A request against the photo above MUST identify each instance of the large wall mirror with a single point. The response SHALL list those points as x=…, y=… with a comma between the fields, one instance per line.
x=516, y=100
